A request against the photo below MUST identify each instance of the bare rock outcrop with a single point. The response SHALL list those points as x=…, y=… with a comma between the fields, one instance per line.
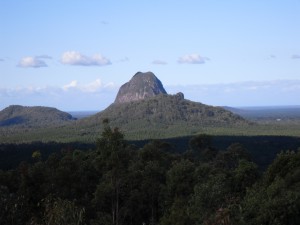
x=141, y=86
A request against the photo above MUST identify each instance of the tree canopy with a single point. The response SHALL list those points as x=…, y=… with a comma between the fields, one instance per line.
x=117, y=183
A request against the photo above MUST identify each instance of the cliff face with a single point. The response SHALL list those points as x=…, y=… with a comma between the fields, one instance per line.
x=141, y=86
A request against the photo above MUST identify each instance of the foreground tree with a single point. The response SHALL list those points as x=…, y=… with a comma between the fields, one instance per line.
x=60, y=212
x=113, y=159
x=276, y=199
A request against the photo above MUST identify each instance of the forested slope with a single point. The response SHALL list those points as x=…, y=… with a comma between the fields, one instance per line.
x=165, y=116
x=36, y=116
x=117, y=184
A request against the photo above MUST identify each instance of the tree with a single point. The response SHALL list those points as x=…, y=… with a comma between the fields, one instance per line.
x=113, y=159
x=244, y=176
x=178, y=214
x=201, y=148
x=210, y=195
x=231, y=157
x=14, y=208
x=276, y=199
x=36, y=155
x=179, y=187
x=62, y=212
x=180, y=179
x=151, y=185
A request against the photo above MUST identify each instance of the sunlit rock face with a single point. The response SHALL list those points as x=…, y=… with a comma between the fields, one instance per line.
x=141, y=86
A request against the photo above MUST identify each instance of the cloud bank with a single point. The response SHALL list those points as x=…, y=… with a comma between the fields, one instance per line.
x=296, y=56
x=33, y=62
x=252, y=93
x=76, y=58
x=78, y=96
x=192, y=59
x=92, y=87
x=99, y=95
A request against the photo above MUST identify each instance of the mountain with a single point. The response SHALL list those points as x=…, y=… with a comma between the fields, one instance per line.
x=141, y=86
x=168, y=110
x=143, y=109
x=32, y=116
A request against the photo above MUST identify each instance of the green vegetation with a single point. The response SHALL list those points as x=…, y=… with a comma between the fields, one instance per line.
x=75, y=132
x=167, y=110
x=117, y=183
x=37, y=116
x=284, y=114
x=162, y=116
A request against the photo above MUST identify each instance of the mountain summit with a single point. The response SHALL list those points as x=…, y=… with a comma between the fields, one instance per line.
x=141, y=86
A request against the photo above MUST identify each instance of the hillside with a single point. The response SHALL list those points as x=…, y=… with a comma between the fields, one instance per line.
x=36, y=116
x=164, y=115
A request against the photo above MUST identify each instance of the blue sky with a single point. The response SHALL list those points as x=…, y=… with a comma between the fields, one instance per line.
x=75, y=54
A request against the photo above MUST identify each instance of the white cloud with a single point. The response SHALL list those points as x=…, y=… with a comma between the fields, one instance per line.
x=76, y=58
x=103, y=22
x=98, y=95
x=92, y=87
x=44, y=57
x=125, y=59
x=71, y=96
x=110, y=85
x=33, y=62
x=296, y=56
x=72, y=84
x=271, y=57
x=159, y=62
x=192, y=59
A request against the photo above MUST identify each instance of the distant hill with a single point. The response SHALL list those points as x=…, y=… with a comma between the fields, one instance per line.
x=32, y=116
x=269, y=114
x=168, y=115
x=141, y=86
x=169, y=109
x=143, y=109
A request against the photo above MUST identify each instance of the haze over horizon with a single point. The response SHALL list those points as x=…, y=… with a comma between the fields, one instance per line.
x=74, y=55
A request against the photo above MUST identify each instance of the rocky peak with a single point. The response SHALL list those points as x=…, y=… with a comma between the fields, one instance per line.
x=141, y=86
x=180, y=96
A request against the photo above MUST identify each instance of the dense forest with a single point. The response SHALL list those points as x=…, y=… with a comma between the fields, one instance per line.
x=119, y=183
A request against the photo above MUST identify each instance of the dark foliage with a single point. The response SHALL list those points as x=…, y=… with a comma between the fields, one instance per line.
x=37, y=116
x=119, y=183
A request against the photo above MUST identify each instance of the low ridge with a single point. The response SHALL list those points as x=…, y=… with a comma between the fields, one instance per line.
x=141, y=86
x=169, y=110
x=32, y=116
